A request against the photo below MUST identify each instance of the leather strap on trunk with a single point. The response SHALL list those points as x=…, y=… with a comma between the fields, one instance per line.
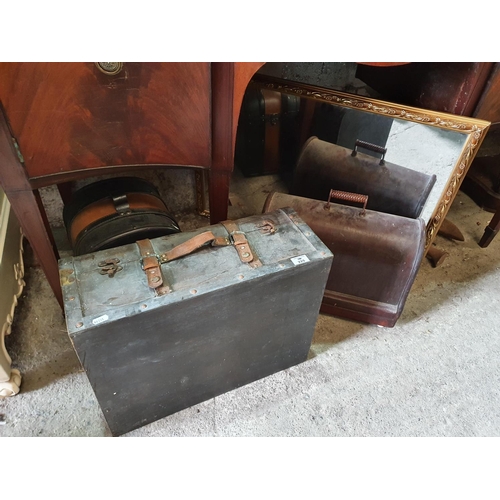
x=151, y=263
x=241, y=244
x=190, y=246
x=152, y=268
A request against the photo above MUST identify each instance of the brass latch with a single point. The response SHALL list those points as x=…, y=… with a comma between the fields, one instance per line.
x=109, y=267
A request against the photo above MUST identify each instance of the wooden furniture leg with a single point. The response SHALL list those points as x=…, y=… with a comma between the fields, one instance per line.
x=229, y=82
x=436, y=256
x=219, y=196
x=491, y=230
x=65, y=189
x=28, y=207
x=451, y=231
x=222, y=141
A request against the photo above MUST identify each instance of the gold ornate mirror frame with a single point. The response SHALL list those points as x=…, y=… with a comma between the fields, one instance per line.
x=474, y=130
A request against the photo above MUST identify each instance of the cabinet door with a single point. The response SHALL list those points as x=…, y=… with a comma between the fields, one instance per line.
x=72, y=116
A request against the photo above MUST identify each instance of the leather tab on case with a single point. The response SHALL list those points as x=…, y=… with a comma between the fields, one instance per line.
x=241, y=244
x=152, y=268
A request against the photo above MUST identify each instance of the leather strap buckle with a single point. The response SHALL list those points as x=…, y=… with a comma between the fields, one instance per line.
x=241, y=244
x=151, y=262
x=151, y=265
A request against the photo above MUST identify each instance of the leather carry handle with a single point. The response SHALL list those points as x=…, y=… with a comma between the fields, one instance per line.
x=151, y=263
x=192, y=245
x=346, y=196
x=236, y=238
x=372, y=147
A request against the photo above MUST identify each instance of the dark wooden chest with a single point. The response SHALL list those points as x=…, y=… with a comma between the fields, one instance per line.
x=224, y=323
x=268, y=131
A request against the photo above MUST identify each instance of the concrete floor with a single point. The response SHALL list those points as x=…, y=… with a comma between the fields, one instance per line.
x=436, y=373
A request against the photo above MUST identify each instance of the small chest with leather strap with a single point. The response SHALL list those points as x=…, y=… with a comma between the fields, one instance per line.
x=268, y=126
x=165, y=323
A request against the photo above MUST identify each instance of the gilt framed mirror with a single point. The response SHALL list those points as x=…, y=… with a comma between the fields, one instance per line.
x=422, y=140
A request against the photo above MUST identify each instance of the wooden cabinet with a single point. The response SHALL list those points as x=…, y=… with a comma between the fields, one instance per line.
x=71, y=116
x=67, y=121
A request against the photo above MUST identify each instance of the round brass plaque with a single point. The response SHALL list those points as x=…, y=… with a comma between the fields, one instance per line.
x=110, y=68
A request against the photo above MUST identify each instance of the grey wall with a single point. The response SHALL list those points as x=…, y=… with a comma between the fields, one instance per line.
x=334, y=75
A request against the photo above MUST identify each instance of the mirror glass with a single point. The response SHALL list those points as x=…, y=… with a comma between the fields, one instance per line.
x=425, y=141
x=426, y=149
x=416, y=146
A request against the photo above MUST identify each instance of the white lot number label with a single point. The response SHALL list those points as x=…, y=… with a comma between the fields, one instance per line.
x=301, y=259
x=100, y=319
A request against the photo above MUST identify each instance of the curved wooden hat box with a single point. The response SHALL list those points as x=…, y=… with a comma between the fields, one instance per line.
x=114, y=212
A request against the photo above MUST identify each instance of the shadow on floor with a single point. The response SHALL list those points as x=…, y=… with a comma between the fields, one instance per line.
x=468, y=270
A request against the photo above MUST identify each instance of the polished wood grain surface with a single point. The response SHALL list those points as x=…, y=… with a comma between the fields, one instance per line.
x=488, y=107
x=28, y=209
x=450, y=87
x=71, y=116
x=72, y=121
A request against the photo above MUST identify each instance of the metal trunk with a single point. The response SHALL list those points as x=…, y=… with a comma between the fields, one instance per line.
x=224, y=323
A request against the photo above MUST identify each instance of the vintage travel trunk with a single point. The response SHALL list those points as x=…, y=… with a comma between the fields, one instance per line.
x=163, y=324
x=268, y=128
x=114, y=212
x=377, y=255
x=391, y=188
